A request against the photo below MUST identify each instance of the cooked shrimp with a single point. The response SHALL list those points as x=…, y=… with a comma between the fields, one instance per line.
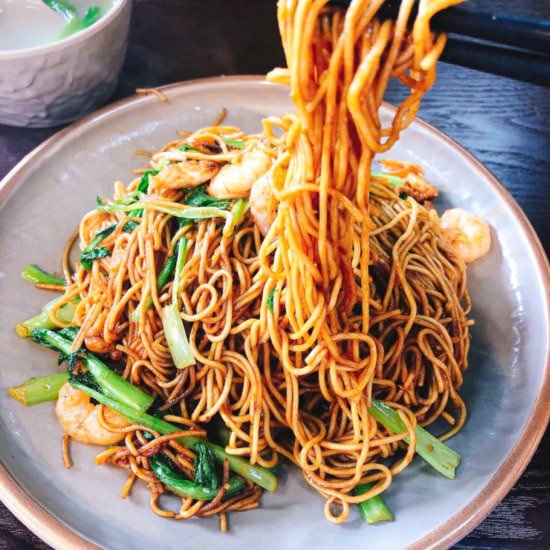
x=235, y=180
x=261, y=202
x=418, y=188
x=469, y=234
x=415, y=184
x=96, y=344
x=186, y=174
x=78, y=417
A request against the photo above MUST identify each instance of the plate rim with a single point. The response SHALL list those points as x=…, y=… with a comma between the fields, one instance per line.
x=55, y=533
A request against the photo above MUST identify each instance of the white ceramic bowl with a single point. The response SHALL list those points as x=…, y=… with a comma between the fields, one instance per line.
x=53, y=84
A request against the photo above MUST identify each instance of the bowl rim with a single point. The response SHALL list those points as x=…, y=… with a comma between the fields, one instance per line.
x=55, y=533
x=114, y=11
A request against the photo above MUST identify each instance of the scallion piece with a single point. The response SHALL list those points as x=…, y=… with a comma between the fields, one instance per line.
x=374, y=509
x=235, y=143
x=39, y=390
x=64, y=315
x=434, y=452
x=37, y=276
x=174, y=331
x=392, y=180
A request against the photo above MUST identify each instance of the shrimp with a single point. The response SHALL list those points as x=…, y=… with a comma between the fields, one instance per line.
x=418, y=188
x=78, y=417
x=186, y=174
x=97, y=344
x=261, y=202
x=467, y=233
x=415, y=184
x=235, y=180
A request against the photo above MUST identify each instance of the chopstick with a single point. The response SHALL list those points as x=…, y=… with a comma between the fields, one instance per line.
x=519, y=49
x=506, y=30
x=516, y=64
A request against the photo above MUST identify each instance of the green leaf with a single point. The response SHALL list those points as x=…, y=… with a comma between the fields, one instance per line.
x=199, y=197
x=189, y=148
x=91, y=252
x=129, y=226
x=392, y=180
x=86, y=258
x=374, y=509
x=68, y=332
x=92, y=15
x=66, y=9
x=103, y=234
x=271, y=300
x=238, y=212
x=206, y=473
x=440, y=457
x=143, y=185
x=36, y=275
x=235, y=143
x=176, y=337
x=74, y=23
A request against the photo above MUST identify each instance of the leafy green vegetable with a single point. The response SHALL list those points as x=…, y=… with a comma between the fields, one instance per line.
x=238, y=213
x=129, y=199
x=91, y=252
x=86, y=258
x=111, y=384
x=76, y=24
x=174, y=331
x=192, y=213
x=257, y=474
x=64, y=315
x=271, y=300
x=129, y=226
x=66, y=9
x=206, y=473
x=189, y=148
x=434, y=452
x=392, y=180
x=235, y=143
x=36, y=275
x=93, y=14
x=143, y=185
x=68, y=332
x=218, y=431
x=80, y=375
x=166, y=472
x=374, y=509
x=199, y=197
x=163, y=277
x=39, y=390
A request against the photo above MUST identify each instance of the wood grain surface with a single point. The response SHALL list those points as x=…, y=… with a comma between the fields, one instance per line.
x=505, y=124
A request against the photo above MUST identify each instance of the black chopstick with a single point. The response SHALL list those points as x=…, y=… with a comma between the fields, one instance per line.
x=507, y=30
x=516, y=64
x=531, y=63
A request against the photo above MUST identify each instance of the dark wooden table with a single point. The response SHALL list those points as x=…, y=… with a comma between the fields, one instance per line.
x=506, y=124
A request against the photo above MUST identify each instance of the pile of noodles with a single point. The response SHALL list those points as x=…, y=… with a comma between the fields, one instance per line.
x=351, y=294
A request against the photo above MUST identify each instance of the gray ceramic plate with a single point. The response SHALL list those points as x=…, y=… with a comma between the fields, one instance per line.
x=507, y=386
